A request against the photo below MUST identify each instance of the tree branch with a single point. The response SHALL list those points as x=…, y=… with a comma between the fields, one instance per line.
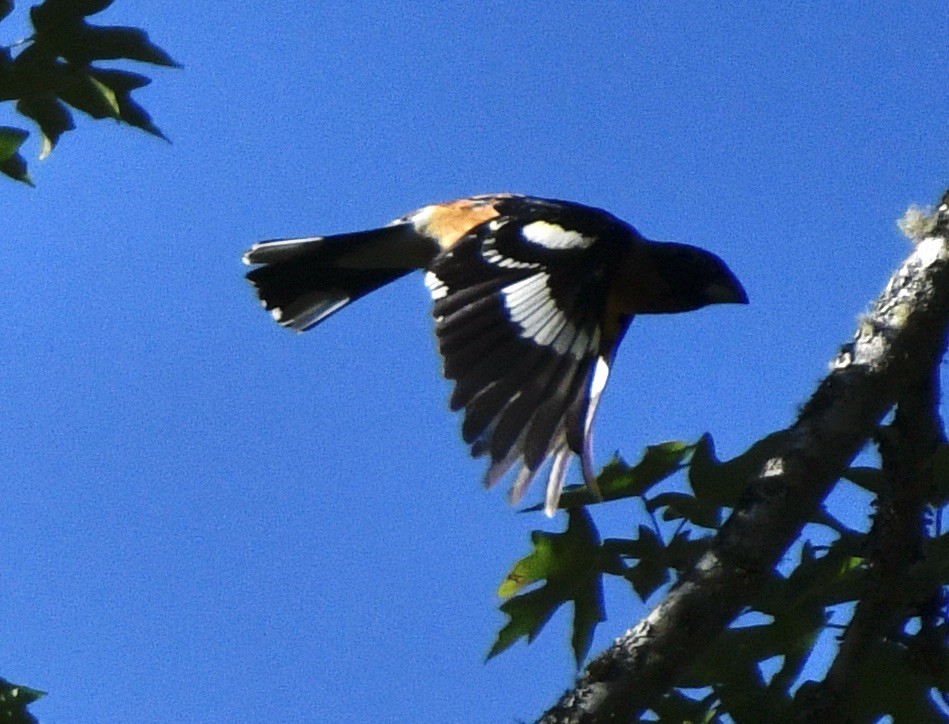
x=906, y=448
x=894, y=343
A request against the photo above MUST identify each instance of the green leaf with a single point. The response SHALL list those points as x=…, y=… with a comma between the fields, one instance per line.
x=619, y=480
x=527, y=614
x=84, y=93
x=657, y=463
x=798, y=607
x=569, y=562
x=721, y=483
x=13, y=702
x=53, y=118
x=10, y=141
x=122, y=84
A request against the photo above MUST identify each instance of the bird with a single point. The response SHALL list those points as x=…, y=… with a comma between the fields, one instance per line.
x=531, y=299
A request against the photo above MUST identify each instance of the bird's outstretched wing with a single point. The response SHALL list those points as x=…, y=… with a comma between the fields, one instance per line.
x=518, y=305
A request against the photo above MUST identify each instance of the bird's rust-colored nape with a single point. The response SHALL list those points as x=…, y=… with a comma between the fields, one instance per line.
x=448, y=222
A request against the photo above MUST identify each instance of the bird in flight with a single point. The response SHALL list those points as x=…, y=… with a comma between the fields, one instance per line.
x=531, y=299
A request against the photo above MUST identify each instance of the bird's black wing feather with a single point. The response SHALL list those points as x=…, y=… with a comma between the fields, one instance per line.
x=518, y=304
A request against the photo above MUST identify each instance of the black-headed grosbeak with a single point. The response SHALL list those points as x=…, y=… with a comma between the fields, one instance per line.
x=531, y=300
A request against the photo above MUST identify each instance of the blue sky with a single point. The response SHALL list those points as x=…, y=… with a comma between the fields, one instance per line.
x=208, y=518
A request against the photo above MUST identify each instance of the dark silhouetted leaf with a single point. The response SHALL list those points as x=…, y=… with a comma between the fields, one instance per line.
x=10, y=141
x=6, y=7
x=676, y=707
x=13, y=702
x=12, y=164
x=940, y=473
x=797, y=607
x=890, y=684
x=32, y=73
x=85, y=43
x=53, y=15
x=655, y=562
x=53, y=118
x=15, y=168
x=733, y=656
x=650, y=570
x=682, y=506
x=122, y=84
x=51, y=73
x=568, y=562
x=86, y=94
x=647, y=576
x=721, y=483
x=731, y=667
x=682, y=552
x=750, y=699
x=132, y=113
x=867, y=478
x=85, y=7
x=836, y=576
x=121, y=81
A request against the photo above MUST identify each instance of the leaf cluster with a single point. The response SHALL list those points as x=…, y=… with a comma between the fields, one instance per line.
x=753, y=671
x=57, y=70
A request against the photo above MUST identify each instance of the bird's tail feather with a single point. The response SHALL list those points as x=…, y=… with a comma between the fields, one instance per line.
x=304, y=281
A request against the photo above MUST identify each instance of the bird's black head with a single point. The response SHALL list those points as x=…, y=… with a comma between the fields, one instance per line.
x=695, y=278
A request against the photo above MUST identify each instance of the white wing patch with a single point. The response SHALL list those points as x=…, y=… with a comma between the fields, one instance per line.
x=436, y=286
x=554, y=236
x=531, y=306
x=494, y=257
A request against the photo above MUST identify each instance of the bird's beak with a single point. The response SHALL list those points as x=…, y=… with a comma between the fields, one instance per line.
x=726, y=291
